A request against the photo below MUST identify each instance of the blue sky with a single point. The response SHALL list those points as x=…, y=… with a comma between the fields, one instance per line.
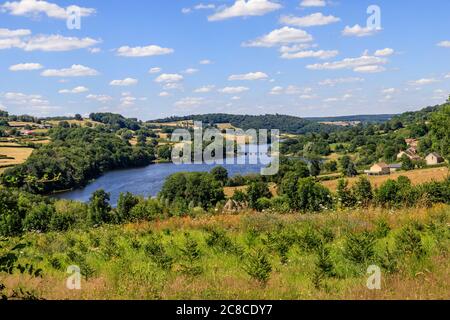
x=150, y=59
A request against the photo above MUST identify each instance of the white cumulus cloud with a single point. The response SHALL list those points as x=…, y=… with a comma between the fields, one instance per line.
x=384, y=52
x=7, y=33
x=358, y=31
x=320, y=54
x=26, y=67
x=313, y=3
x=148, y=51
x=315, y=19
x=233, y=90
x=169, y=78
x=35, y=8
x=124, y=83
x=278, y=37
x=245, y=8
x=248, y=76
x=75, y=90
x=76, y=70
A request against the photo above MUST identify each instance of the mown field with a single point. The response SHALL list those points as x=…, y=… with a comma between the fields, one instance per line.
x=248, y=256
x=14, y=153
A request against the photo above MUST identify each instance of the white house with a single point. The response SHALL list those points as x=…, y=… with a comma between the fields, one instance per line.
x=434, y=159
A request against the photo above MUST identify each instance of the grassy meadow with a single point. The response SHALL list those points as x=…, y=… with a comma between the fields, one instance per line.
x=247, y=256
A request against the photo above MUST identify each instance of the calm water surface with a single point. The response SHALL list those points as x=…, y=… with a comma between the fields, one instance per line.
x=147, y=181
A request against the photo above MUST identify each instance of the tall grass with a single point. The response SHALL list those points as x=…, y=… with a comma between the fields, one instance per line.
x=249, y=256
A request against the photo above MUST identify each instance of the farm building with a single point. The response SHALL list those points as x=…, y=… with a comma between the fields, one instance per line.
x=411, y=153
x=378, y=169
x=434, y=159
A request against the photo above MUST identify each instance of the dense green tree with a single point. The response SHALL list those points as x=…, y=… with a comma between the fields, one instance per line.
x=363, y=192
x=315, y=168
x=165, y=152
x=312, y=196
x=99, y=207
x=194, y=189
x=440, y=131
x=257, y=190
x=75, y=156
x=220, y=174
x=345, y=196
x=125, y=204
x=407, y=164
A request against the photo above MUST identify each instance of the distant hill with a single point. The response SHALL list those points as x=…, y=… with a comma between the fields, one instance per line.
x=286, y=124
x=376, y=118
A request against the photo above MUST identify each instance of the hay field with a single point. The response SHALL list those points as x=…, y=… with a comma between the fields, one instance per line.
x=416, y=177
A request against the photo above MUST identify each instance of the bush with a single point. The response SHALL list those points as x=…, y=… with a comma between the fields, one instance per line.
x=68, y=214
x=149, y=210
x=257, y=266
x=125, y=204
x=263, y=204
x=359, y=248
x=219, y=240
x=362, y=191
x=220, y=174
x=256, y=191
x=99, y=207
x=345, y=196
x=39, y=217
x=239, y=196
x=280, y=204
x=409, y=241
x=156, y=251
x=191, y=255
x=312, y=196
x=198, y=188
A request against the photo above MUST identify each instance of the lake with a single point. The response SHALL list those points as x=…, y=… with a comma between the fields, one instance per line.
x=149, y=180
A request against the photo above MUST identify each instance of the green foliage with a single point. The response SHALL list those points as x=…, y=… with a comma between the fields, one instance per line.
x=324, y=264
x=239, y=196
x=219, y=241
x=9, y=256
x=288, y=124
x=191, y=255
x=220, y=174
x=148, y=209
x=440, y=131
x=409, y=241
x=99, y=208
x=38, y=218
x=125, y=205
x=115, y=120
x=257, y=266
x=345, y=196
x=73, y=158
x=157, y=252
x=257, y=190
x=165, y=152
x=198, y=188
x=312, y=196
x=407, y=164
x=263, y=204
x=363, y=192
x=359, y=247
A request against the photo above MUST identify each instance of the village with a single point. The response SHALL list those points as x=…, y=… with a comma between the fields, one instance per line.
x=382, y=168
